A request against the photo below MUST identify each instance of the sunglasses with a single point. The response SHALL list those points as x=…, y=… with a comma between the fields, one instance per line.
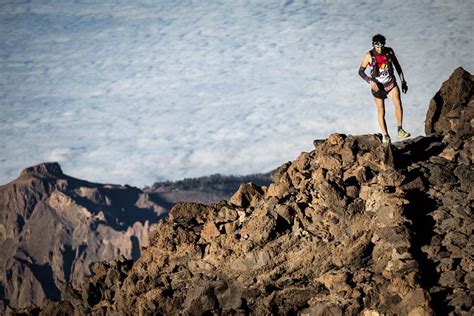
x=378, y=44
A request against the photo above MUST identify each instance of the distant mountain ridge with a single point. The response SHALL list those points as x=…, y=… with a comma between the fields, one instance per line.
x=209, y=189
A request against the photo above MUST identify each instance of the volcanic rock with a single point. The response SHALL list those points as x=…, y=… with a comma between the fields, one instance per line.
x=451, y=107
x=450, y=113
x=353, y=227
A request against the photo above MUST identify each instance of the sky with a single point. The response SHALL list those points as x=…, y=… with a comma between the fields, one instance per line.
x=133, y=92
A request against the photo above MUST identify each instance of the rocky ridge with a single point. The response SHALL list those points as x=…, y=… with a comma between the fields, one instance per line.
x=352, y=227
x=52, y=227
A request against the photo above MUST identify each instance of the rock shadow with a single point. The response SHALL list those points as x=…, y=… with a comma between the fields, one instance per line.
x=123, y=211
x=135, y=247
x=69, y=255
x=417, y=149
x=44, y=274
x=422, y=231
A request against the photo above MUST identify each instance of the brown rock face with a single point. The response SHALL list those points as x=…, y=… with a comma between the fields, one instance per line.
x=352, y=227
x=52, y=227
x=447, y=110
x=450, y=113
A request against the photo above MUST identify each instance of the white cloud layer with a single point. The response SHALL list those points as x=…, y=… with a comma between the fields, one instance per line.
x=124, y=92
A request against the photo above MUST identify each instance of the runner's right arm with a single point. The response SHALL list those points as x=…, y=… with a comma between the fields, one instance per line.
x=363, y=66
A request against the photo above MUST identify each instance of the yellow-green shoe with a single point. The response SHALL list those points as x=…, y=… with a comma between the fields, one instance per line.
x=402, y=133
x=387, y=140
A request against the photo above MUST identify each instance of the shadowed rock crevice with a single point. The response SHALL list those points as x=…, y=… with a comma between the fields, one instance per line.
x=135, y=253
x=422, y=232
x=45, y=274
x=438, y=100
x=418, y=149
x=68, y=261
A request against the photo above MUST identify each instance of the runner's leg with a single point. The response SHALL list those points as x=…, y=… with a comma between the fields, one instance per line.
x=380, y=103
x=397, y=103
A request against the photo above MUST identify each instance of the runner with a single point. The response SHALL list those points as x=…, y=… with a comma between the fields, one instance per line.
x=382, y=81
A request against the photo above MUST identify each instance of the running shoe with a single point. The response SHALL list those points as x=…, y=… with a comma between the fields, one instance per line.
x=403, y=134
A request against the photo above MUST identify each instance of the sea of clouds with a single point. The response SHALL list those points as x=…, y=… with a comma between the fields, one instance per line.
x=133, y=92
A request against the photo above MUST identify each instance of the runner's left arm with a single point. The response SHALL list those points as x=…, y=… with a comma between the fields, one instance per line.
x=398, y=67
x=400, y=72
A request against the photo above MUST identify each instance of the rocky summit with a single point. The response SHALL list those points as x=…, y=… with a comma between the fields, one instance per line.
x=53, y=226
x=354, y=227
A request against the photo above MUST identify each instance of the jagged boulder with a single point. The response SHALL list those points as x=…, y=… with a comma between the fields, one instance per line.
x=450, y=113
x=450, y=109
x=247, y=195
